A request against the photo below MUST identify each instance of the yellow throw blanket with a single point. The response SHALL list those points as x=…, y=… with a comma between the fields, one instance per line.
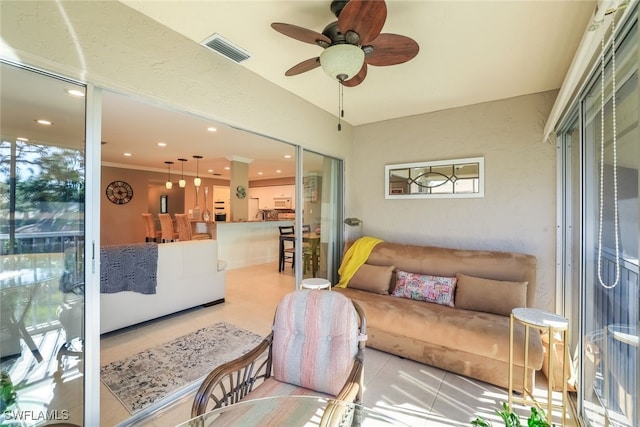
x=355, y=256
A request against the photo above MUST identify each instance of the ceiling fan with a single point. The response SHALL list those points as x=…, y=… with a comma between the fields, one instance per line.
x=352, y=42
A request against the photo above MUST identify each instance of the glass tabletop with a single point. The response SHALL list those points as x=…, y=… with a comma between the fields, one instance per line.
x=293, y=411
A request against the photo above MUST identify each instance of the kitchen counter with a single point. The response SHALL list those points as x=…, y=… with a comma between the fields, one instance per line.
x=246, y=243
x=252, y=221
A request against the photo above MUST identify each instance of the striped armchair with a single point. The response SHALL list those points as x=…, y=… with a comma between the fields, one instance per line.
x=316, y=348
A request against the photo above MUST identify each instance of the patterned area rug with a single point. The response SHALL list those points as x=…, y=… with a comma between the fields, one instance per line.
x=163, y=371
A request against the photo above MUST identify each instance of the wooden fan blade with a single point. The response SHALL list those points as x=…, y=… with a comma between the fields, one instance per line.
x=392, y=49
x=358, y=78
x=299, y=33
x=364, y=17
x=304, y=66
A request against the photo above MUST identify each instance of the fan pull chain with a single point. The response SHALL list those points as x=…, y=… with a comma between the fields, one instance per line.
x=615, y=160
x=340, y=104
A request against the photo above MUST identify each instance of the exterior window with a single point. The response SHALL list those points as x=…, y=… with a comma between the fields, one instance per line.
x=42, y=204
x=599, y=239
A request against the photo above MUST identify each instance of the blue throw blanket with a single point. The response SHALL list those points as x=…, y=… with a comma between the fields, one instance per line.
x=129, y=268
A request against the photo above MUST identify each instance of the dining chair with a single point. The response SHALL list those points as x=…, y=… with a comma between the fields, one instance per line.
x=287, y=247
x=151, y=234
x=308, y=253
x=166, y=228
x=316, y=348
x=184, y=229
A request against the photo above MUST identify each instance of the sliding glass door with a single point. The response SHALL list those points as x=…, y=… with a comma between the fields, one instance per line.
x=611, y=252
x=598, y=253
x=42, y=241
x=322, y=185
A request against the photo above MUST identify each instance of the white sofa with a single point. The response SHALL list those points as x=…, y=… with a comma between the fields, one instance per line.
x=189, y=274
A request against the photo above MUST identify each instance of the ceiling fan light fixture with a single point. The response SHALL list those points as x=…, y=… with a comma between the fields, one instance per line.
x=342, y=61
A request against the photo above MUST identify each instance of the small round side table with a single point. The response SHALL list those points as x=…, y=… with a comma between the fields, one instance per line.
x=542, y=321
x=315, y=283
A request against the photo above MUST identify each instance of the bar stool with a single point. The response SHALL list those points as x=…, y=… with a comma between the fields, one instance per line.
x=542, y=321
x=184, y=229
x=286, y=252
x=151, y=234
x=166, y=227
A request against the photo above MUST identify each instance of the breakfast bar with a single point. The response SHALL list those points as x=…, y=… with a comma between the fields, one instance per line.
x=248, y=243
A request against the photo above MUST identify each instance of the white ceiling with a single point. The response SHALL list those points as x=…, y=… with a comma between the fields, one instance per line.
x=470, y=51
x=132, y=126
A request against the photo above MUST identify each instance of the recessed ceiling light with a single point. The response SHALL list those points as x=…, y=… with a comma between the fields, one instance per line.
x=259, y=173
x=287, y=156
x=212, y=129
x=23, y=139
x=278, y=171
x=227, y=168
x=44, y=122
x=210, y=170
x=162, y=144
x=75, y=92
x=127, y=154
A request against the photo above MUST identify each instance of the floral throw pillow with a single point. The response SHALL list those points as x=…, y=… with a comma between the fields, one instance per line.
x=422, y=287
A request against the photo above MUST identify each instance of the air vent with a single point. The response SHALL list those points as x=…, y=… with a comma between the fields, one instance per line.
x=224, y=47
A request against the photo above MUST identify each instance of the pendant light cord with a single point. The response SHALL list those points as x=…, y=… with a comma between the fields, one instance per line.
x=615, y=161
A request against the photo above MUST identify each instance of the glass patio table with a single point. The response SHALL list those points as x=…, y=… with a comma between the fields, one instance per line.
x=293, y=411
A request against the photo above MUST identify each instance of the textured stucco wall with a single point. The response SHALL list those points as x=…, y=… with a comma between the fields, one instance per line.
x=517, y=212
x=114, y=46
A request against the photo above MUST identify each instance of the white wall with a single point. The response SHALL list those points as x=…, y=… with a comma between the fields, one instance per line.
x=517, y=212
x=113, y=46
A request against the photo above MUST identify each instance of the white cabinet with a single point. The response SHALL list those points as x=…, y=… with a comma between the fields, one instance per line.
x=268, y=194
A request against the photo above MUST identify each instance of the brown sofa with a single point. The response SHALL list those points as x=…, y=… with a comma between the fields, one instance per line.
x=471, y=338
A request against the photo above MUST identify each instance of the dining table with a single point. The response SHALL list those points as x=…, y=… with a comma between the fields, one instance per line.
x=312, y=238
x=295, y=411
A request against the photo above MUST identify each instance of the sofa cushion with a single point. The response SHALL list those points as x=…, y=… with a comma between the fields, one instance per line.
x=473, y=332
x=372, y=278
x=447, y=262
x=309, y=346
x=489, y=296
x=423, y=287
x=278, y=411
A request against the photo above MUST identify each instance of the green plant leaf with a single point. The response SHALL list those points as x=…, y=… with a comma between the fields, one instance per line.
x=8, y=393
x=537, y=418
x=480, y=422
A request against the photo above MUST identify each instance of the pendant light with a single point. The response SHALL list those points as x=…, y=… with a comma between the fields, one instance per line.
x=197, y=181
x=182, y=183
x=169, y=184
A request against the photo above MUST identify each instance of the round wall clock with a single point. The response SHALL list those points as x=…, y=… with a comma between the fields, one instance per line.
x=241, y=192
x=119, y=192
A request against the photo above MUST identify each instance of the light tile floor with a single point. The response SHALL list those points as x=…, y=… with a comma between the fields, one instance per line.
x=417, y=394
